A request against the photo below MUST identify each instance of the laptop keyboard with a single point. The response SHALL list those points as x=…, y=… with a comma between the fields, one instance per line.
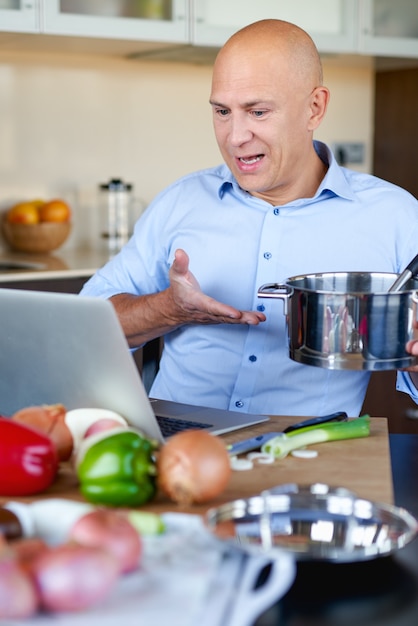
x=172, y=425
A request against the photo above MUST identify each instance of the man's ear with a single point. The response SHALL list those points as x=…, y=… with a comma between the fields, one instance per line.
x=319, y=103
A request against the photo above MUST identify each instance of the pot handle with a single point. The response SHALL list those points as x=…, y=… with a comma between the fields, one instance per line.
x=276, y=290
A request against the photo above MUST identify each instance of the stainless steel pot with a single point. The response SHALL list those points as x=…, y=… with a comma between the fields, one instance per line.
x=348, y=320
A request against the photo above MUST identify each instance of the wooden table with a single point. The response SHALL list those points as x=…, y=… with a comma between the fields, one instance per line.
x=362, y=465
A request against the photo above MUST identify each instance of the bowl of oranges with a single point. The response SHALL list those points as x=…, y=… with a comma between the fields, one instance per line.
x=37, y=226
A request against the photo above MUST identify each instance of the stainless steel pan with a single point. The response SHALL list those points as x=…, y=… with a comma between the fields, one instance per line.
x=348, y=320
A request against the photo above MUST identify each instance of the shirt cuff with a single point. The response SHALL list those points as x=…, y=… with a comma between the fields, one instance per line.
x=405, y=384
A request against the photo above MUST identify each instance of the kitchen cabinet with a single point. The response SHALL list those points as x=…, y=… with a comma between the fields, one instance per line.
x=369, y=27
x=72, y=284
x=389, y=28
x=331, y=23
x=144, y=20
x=19, y=16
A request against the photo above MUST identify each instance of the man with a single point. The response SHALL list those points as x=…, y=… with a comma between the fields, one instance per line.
x=280, y=206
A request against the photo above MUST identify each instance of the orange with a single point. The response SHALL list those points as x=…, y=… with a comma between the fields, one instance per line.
x=37, y=203
x=23, y=213
x=54, y=211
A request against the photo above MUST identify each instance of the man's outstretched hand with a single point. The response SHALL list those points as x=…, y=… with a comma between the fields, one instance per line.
x=196, y=307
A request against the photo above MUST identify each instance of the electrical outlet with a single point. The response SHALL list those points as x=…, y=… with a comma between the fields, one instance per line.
x=347, y=153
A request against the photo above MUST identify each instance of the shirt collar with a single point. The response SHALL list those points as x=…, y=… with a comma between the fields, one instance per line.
x=334, y=180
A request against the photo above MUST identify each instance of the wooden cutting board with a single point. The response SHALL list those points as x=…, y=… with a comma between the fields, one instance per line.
x=362, y=465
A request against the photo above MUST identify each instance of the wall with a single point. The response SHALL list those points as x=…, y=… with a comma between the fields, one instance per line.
x=68, y=123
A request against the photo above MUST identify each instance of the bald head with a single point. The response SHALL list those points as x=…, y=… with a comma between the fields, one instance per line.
x=267, y=100
x=288, y=46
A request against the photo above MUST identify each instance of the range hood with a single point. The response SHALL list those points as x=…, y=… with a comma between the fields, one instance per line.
x=187, y=53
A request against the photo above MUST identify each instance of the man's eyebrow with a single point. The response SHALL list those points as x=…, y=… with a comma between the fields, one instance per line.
x=244, y=105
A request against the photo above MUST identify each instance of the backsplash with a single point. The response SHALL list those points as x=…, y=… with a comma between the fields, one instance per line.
x=69, y=123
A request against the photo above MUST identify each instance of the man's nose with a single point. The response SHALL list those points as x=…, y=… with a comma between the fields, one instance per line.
x=240, y=131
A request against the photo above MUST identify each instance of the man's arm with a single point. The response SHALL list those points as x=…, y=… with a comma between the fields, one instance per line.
x=145, y=317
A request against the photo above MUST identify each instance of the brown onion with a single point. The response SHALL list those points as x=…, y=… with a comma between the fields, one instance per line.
x=193, y=466
x=50, y=419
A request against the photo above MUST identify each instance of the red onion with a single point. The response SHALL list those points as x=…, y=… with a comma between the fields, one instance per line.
x=71, y=577
x=112, y=531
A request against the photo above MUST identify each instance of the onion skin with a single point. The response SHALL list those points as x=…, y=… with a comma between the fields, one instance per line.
x=193, y=467
x=112, y=531
x=78, y=421
x=27, y=550
x=102, y=425
x=18, y=597
x=49, y=419
x=71, y=577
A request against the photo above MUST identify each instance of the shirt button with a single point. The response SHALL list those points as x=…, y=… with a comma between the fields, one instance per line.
x=252, y=358
x=267, y=255
x=261, y=307
x=239, y=404
x=276, y=211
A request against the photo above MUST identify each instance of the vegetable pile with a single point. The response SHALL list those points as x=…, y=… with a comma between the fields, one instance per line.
x=102, y=545
x=116, y=465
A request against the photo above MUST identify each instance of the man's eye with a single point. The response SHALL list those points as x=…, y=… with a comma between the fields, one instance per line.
x=222, y=112
x=258, y=113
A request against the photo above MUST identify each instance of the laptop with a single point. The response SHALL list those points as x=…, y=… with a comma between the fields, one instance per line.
x=70, y=349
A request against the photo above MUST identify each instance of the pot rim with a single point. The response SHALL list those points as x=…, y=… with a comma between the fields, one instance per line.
x=391, y=276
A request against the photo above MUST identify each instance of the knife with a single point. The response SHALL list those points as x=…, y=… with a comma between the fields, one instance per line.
x=254, y=443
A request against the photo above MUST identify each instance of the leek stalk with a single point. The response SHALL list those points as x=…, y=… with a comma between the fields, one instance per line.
x=280, y=446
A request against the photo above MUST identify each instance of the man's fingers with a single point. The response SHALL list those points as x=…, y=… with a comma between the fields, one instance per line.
x=181, y=262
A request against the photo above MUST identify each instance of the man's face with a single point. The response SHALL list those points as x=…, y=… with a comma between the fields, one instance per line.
x=261, y=114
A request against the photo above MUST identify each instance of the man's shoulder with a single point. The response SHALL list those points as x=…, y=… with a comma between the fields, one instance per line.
x=364, y=182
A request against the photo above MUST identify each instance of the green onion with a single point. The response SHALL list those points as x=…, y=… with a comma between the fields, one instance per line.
x=280, y=447
x=146, y=522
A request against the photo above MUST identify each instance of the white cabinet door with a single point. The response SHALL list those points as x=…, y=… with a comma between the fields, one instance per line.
x=146, y=20
x=331, y=23
x=389, y=28
x=19, y=16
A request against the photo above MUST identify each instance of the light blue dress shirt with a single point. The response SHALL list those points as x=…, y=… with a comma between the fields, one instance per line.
x=236, y=243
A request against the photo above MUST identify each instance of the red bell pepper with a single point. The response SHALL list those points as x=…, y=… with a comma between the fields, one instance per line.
x=28, y=459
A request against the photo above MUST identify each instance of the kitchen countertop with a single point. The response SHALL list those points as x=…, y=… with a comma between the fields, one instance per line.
x=60, y=264
x=361, y=465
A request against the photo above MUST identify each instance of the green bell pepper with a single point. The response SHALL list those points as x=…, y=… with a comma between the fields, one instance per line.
x=119, y=470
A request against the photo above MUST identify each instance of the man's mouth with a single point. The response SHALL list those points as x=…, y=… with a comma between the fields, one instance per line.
x=251, y=159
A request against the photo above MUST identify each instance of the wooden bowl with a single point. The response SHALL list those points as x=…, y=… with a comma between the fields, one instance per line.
x=42, y=237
